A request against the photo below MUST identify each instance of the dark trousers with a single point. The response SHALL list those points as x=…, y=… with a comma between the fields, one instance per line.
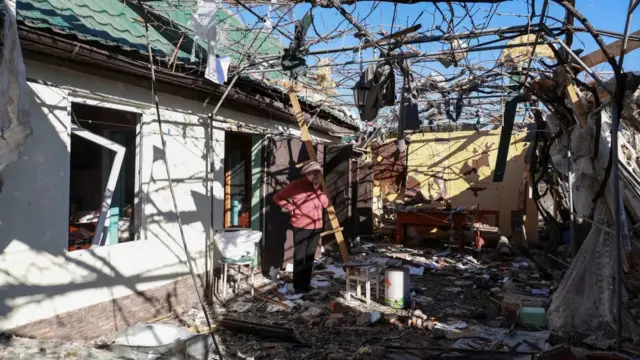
x=305, y=245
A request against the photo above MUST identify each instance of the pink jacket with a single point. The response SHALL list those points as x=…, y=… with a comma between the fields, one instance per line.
x=304, y=203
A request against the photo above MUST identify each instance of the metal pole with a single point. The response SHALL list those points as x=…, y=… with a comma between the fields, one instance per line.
x=618, y=228
x=572, y=230
x=620, y=88
x=189, y=259
x=435, y=55
x=583, y=65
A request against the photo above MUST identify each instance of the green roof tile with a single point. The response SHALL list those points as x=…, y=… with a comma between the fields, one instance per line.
x=109, y=22
x=116, y=23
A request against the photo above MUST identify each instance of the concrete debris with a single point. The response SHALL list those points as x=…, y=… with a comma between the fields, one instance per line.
x=457, y=297
x=599, y=341
x=312, y=313
x=337, y=307
x=240, y=307
x=334, y=320
x=368, y=318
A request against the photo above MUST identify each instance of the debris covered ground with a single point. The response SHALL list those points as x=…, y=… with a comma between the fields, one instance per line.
x=479, y=304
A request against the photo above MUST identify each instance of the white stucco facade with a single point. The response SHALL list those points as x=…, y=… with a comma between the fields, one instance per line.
x=38, y=277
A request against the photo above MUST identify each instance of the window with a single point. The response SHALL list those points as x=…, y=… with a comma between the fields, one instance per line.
x=104, y=206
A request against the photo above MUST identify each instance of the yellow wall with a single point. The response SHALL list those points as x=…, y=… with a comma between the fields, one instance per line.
x=450, y=155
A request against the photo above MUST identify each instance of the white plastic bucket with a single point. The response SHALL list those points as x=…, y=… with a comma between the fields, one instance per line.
x=397, y=287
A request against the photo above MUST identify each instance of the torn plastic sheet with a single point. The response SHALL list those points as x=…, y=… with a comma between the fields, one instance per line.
x=14, y=103
x=585, y=300
x=480, y=336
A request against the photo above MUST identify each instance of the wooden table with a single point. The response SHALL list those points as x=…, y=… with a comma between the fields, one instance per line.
x=437, y=218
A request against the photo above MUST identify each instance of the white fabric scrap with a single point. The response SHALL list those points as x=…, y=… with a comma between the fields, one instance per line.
x=204, y=19
x=217, y=67
x=14, y=103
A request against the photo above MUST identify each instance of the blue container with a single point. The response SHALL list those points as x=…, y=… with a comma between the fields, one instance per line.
x=235, y=210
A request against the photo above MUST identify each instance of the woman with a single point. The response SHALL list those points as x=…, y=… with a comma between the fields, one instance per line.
x=304, y=200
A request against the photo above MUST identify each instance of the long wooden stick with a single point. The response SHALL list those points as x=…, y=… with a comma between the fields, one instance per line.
x=306, y=137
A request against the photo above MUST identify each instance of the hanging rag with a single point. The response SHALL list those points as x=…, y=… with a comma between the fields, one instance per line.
x=409, y=114
x=204, y=25
x=458, y=107
x=219, y=70
x=292, y=59
x=377, y=82
x=447, y=108
x=14, y=102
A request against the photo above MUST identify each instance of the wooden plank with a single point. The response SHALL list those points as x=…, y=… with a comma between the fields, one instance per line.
x=330, y=232
x=299, y=165
x=306, y=137
x=597, y=57
x=577, y=105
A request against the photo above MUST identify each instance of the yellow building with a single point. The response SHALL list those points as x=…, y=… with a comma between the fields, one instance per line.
x=459, y=167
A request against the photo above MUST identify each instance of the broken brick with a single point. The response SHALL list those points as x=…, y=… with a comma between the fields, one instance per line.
x=338, y=308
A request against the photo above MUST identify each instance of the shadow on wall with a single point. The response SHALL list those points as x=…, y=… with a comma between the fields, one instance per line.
x=34, y=266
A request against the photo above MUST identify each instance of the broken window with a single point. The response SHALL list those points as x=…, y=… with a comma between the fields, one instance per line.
x=104, y=177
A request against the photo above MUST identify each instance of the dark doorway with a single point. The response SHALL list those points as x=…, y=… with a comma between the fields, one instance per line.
x=237, y=182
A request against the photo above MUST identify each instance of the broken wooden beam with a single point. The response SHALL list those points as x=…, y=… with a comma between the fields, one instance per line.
x=598, y=57
x=330, y=232
x=301, y=164
x=257, y=329
x=271, y=301
x=306, y=137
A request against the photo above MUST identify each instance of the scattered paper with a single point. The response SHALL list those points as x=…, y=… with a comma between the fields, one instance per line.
x=540, y=292
x=288, y=268
x=286, y=289
x=294, y=296
x=520, y=264
x=320, y=282
x=289, y=303
x=415, y=270
x=480, y=337
x=458, y=325
x=443, y=253
x=598, y=340
x=338, y=271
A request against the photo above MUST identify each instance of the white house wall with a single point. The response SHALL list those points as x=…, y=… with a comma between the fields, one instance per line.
x=38, y=278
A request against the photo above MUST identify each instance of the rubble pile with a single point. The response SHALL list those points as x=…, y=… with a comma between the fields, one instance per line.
x=490, y=303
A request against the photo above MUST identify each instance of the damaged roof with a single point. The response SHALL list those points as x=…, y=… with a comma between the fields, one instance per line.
x=119, y=23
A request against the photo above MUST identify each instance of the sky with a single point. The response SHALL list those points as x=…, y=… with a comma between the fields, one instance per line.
x=603, y=14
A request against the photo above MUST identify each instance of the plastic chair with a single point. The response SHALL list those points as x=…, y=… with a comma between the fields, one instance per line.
x=247, y=260
x=243, y=261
